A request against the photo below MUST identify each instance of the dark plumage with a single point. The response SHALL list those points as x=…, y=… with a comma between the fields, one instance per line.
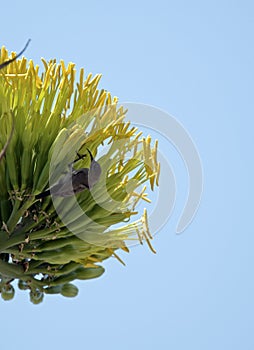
x=75, y=181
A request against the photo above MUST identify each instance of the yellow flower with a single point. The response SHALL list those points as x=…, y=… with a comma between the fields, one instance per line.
x=45, y=120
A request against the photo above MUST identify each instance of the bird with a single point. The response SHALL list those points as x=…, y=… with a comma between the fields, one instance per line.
x=75, y=181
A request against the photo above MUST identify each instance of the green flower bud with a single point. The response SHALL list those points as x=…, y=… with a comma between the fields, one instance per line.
x=85, y=273
x=7, y=292
x=36, y=296
x=69, y=290
x=22, y=285
x=53, y=290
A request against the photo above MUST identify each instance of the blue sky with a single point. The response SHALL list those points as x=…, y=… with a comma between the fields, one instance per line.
x=193, y=59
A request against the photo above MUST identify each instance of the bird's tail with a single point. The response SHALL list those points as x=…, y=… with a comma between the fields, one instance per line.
x=43, y=194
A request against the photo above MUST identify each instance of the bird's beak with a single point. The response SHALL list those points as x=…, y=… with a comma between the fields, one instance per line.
x=91, y=156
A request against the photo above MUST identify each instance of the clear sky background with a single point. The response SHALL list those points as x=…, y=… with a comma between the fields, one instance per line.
x=194, y=59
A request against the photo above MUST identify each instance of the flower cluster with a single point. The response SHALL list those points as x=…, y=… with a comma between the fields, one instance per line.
x=45, y=120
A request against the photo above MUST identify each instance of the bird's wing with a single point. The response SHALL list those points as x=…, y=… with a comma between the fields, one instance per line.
x=74, y=182
x=80, y=180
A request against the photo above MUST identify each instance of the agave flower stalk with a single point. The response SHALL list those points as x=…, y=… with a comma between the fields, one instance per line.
x=45, y=244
